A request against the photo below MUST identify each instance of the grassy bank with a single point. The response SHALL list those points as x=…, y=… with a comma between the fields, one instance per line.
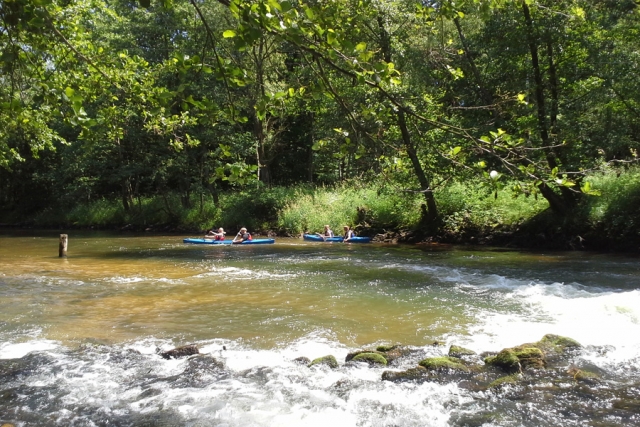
x=469, y=214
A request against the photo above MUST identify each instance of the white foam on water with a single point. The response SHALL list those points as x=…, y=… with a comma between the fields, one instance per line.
x=18, y=350
x=233, y=272
x=592, y=316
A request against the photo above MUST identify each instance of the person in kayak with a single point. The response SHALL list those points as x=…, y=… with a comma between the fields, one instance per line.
x=348, y=233
x=242, y=236
x=219, y=235
x=326, y=233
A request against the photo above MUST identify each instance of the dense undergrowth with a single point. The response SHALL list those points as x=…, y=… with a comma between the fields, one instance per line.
x=469, y=214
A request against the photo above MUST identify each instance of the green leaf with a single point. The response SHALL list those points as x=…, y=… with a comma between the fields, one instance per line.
x=361, y=47
x=309, y=12
x=229, y=34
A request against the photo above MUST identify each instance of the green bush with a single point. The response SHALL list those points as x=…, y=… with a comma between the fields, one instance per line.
x=465, y=207
x=361, y=207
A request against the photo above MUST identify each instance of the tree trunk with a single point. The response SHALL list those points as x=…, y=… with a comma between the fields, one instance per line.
x=564, y=202
x=425, y=186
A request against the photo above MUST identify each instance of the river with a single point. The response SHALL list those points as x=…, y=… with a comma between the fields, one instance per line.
x=80, y=336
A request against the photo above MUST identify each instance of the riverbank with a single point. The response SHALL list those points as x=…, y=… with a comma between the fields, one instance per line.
x=468, y=214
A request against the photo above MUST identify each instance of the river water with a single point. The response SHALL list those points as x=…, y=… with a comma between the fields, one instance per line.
x=80, y=336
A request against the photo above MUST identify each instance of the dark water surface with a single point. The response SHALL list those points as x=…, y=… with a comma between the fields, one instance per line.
x=79, y=336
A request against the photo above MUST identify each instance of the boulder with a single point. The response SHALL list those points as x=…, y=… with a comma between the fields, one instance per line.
x=518, y=358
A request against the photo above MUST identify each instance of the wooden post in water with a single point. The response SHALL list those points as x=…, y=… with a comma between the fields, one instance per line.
x=62, y=250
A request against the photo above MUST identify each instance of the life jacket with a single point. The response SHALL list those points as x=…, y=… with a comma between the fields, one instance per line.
x=218, y=238
x=250, y=237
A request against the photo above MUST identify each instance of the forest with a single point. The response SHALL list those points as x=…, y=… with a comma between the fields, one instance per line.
x=510, y=122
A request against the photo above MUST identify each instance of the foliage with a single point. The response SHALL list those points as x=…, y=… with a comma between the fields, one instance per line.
x=192, y=112
x=364, y=208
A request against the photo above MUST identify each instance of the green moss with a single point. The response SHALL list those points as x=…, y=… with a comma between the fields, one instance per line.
x=352, y=355
x=506, y=360
x=457, y=351
x=517, y=358
x=557, y=343
x=371, y=358
x=439, y=363
x=385, y=348
x=530, y=357
x=329, y=360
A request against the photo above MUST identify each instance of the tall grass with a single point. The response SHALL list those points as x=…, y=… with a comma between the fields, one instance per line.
x=357, y=206
x=616, y=212
x=465, y=206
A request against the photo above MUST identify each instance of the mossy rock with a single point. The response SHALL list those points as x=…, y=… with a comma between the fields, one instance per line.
x=371, y=358
x=530, y=357
x=354, y=354
x=557, y=344
x=507, y=380
x=412, y=374
x=506, y=360
x=444, y=363
x=457, y=351
x=518, y=358
x=329, y=360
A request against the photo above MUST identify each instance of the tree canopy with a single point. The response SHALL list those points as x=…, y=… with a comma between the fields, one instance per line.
x=125, y=99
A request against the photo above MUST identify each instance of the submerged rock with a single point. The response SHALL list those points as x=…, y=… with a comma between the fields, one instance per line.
x=385, y=348
x=413, y=374
x=183, y=351
x=506, y=380
x=584, y=376
x=302, y=360
x=329, y=360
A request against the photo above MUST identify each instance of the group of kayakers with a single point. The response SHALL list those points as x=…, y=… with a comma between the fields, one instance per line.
x=242, y=236
x=347, y=235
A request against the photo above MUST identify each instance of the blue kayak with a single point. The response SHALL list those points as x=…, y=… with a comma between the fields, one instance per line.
x=316, y=238
x=229, y=242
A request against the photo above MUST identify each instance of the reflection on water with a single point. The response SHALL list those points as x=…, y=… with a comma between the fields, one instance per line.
x=267, y=305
